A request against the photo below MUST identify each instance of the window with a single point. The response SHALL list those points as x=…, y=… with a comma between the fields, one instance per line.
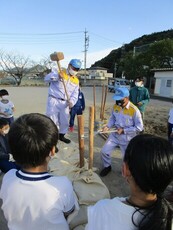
x=168, y=83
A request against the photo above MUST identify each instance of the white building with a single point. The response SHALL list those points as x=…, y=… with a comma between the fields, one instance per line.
x=98, y=73
x=164, y=82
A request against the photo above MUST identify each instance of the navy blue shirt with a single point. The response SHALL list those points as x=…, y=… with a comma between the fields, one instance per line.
x=80, y=102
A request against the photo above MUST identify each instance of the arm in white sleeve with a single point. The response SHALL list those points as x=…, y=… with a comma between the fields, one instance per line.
x=52, y=76
x=111, y=121
x=138, y=124
x=74, y=95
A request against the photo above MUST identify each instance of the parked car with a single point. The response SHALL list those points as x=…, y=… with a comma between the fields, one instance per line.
x=114, y=83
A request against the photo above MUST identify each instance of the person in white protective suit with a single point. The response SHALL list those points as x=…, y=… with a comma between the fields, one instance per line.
x=126, y=119
x=58, y=105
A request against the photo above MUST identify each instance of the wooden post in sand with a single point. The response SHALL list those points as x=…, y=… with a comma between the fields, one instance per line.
x=94, y=99
x=104, y=102
x=101, y=107
x=80, y=119
x=91, y=136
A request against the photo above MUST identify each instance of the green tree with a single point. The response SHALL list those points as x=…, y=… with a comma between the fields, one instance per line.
x=160, y=54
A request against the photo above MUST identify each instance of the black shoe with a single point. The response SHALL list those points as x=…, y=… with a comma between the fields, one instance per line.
x=62, y=138
x=105, y=171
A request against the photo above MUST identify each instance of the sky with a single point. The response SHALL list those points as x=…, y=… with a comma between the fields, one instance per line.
x=37, y=28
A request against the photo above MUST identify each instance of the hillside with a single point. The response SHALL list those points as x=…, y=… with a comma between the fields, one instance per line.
x=139, y=44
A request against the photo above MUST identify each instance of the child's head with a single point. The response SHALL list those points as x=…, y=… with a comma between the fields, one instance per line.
x=150, y=161
x=4, y=126
x=32, y=138
x=4, y=94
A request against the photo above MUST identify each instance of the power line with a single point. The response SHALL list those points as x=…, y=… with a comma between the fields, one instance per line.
x=14, y=38
x=42, y=34
x=106, y=38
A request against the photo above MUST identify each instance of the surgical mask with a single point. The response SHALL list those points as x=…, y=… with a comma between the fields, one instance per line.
x=5, y=97
x=72, y=72
x=138, y=84
x=120, y=102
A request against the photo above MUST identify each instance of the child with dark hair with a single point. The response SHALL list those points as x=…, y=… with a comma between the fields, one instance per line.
x=6, y=106
x=148, y=169
x=33, y=198
x=6, y=159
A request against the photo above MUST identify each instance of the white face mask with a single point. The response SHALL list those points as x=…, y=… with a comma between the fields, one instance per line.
x=138, y=84
x=71, y=71
x=5, y=97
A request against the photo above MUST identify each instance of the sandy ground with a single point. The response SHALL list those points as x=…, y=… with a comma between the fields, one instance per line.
x=33, y=99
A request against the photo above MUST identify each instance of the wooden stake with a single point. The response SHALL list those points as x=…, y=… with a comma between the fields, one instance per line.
x=94, y=98
x=105, y=96
x=101, y=107
x=80, y=119
x=91, y=136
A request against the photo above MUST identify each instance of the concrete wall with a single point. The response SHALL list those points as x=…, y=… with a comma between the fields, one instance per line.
x=162, y=88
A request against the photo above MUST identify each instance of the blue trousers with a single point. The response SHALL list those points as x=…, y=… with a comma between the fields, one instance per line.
x=170, y=127
x=73, y=112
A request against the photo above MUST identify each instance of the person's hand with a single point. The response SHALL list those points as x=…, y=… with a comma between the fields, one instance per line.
x=4, y=114
x=120, y=131
x=105, y=128
x=11, y=158
x=61, y=75
x=139, y=103
x=70, y=104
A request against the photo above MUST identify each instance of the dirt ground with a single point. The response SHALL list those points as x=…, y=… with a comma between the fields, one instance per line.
x=155, y=123
x=33, y=99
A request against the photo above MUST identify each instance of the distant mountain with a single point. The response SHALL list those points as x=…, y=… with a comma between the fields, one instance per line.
x=141, y=42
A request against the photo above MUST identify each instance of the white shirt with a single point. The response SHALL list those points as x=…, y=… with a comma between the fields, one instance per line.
x=36, y=201
x=111, y=214
x=6, y=108
x=170, y=120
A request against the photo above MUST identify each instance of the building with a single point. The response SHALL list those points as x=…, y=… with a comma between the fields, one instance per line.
x=94, y=76
x=163, y=82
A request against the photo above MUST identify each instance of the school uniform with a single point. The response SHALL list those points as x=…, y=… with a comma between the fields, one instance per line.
x=5, y=164
x=36, y=201
x=111, y=214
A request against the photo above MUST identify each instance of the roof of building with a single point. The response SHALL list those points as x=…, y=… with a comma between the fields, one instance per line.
x=97, y=68
x=162, y=69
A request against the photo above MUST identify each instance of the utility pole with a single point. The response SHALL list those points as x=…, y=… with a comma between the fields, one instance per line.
x=134, y=51
x=115, y=69
x=86, y=45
